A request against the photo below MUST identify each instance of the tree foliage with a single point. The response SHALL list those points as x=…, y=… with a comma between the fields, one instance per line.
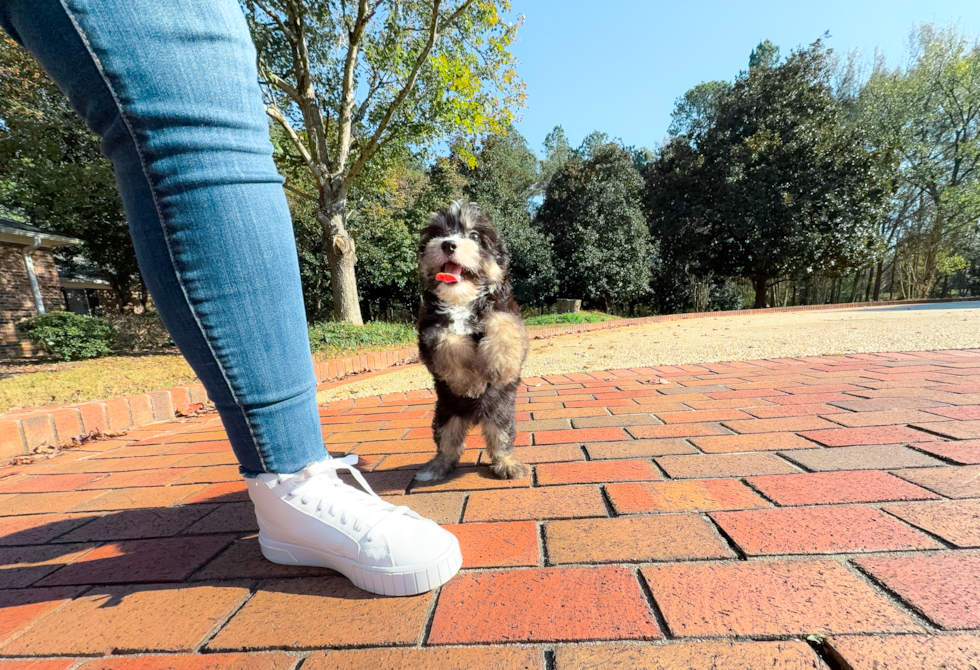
x=779, y=183
x=695, y=110
x=53, y=174
x=355, y=85
x=503, y=181
x=929, y=112
x=593, y=214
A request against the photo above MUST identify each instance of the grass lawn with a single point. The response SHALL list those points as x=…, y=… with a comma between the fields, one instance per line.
x=37, y=385
x=44, y=384
x=548, y=320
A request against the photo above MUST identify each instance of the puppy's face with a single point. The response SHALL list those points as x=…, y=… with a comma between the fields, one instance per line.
x=461, y=254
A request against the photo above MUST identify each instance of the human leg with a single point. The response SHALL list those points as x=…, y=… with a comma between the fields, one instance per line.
x=171, y=88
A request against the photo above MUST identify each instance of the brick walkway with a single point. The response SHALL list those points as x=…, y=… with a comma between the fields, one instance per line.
x=685, y=517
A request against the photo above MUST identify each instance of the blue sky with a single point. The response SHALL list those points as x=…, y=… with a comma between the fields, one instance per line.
x=618, y=66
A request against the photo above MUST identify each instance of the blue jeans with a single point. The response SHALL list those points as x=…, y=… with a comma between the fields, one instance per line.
x=171, y=88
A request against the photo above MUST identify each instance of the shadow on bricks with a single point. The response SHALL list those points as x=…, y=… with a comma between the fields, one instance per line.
x=143, y=549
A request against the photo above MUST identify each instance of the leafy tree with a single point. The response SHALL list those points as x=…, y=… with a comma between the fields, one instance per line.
x=765, y=54
x=557, y=150
x=359, y=86
x=55, y=175
x=779, y=183
x=593, y=214
x=591, y=144
x=930, y=113
x=503, y=181
x=694, y=111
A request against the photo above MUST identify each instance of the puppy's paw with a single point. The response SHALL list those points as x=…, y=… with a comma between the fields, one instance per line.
x=508, y=467
x=434, y=470
x=499, y=375
x=471, y=388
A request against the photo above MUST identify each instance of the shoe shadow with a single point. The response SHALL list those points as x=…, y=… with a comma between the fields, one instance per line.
x=46, y=558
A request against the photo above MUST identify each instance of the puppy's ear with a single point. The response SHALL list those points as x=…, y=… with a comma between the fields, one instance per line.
x=500, y=253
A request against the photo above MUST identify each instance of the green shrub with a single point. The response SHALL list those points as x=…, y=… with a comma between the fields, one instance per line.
x=580, y=317
x=334, y=338
x=69, y=337
x=139, y=332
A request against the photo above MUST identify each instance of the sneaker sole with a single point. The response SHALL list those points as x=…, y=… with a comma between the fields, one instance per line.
x=407, y=581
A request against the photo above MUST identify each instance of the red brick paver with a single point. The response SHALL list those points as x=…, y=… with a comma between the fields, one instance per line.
x=545, y=605
x=636, y=538
x=716, y=655
x=948, y=652
x=496, y=658
x=771, y=598
x=945, y=587
x=748, y=504
x=956, y=521
x=821, y=488
x=345, y=616
x=688, y=496
x=819, y=530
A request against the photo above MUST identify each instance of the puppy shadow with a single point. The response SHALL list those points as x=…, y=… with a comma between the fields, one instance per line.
x=479, y=477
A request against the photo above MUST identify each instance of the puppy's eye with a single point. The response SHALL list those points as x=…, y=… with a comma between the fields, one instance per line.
x=475, y=236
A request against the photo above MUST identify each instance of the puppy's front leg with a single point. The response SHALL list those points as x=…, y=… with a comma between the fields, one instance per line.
x=499, y=430
x=503, y=348
x=454, y=360
x=450, y=437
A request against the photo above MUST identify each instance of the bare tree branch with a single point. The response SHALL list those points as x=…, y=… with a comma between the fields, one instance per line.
x=455, y=15
x=344, y=117
x=302, y=194
x=275, y=17
x=308, y=103
x=434, y=28
x=283, y=85
x=277, y=116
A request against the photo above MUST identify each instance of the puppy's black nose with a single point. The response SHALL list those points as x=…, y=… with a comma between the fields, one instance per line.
x=448, y=247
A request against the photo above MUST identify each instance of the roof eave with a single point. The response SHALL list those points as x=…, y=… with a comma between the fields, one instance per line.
x=48, y=240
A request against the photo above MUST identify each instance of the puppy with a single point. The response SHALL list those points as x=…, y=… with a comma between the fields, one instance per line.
x=471, y=338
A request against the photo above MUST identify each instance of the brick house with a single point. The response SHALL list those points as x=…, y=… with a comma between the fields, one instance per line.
x=29, y=282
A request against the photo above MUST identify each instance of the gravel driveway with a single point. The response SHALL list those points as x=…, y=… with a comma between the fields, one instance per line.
x=730, y=338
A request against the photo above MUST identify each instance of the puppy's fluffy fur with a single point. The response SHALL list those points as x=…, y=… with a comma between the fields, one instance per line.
x=471, y=338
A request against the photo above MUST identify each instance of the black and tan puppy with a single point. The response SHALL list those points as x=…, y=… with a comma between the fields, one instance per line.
x=471, y=337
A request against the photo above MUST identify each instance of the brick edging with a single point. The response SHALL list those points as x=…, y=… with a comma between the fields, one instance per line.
x=23, y=431
x=338, y=368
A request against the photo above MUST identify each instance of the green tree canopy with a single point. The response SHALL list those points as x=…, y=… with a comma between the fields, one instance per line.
x=503, y=182
x=593, y=215
x=695, y=110
x=557, y=150
x=360, y=84
x=780, y=182
x=930, y=113
x=765, y=54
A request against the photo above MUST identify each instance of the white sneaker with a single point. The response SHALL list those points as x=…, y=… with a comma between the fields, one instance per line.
x=313, y=518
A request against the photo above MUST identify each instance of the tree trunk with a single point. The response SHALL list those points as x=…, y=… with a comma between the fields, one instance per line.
x=891, y=286
x=878, y=270
x=339, y=246
x=867, y=292
x=854, y=285
x=121, y=288
x=760, y=291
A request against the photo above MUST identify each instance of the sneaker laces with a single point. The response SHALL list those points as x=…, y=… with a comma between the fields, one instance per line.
x=324, y=473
